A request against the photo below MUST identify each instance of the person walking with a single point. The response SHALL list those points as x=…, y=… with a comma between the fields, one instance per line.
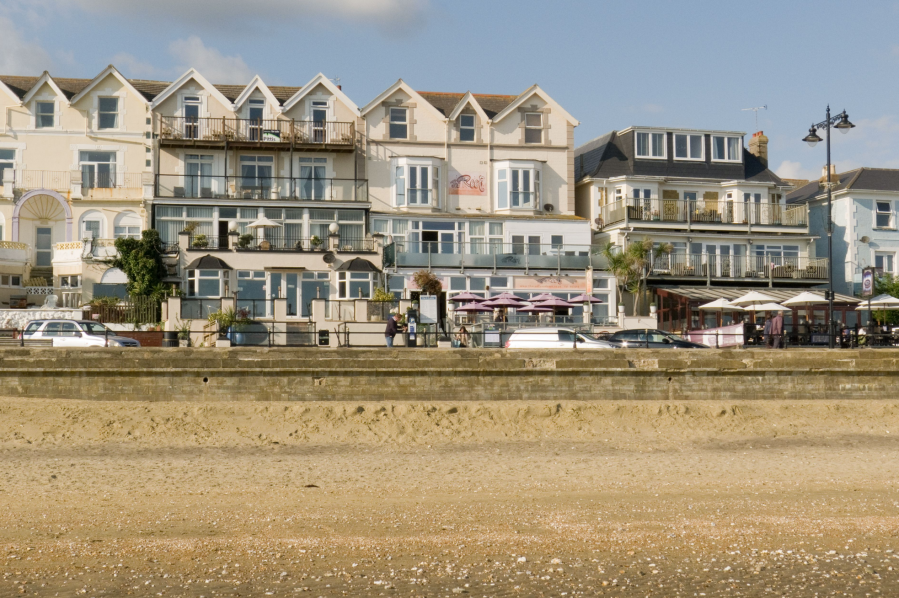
x=391, y=330
x=777, y=330
x=766, y=332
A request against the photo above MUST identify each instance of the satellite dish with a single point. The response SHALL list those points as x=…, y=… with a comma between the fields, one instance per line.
x=548, y=207
x=865, y=239
x=329, y=257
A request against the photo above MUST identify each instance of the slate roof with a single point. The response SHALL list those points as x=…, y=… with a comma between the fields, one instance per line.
x=149, y=89
x=445, y=102
x=208, y=262
x=862, y=179
x=612, y=155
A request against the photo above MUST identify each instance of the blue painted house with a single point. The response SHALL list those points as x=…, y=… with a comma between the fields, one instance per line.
x=866, y=222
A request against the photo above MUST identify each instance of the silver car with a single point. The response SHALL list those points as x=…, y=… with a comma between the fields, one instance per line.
x=554, y=338
x=76, y=333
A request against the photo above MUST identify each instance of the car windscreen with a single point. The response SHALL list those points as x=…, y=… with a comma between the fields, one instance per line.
x=94, y=328
x=32, y=327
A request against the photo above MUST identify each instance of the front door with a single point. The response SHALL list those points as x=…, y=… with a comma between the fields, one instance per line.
x=319, y=119
x=43, y=247
x=718, y=259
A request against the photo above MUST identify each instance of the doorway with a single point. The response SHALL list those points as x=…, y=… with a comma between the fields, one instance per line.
x=43, y=247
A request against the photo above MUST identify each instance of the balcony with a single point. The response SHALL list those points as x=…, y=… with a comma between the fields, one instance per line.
x=495, y=256
x=704, y=214
x=718, y=267
x=273, y=242
x=118, y=185
x=261, y=188
x=179, y=131
x=74, y=251
x=28, y=180
x=13, y=252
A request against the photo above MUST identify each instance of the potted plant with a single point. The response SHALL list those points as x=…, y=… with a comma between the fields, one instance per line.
x=200, y=242
x=229, y=323
x=244, y=241
x=655, y=215
x=316, y=242
x=184, y=334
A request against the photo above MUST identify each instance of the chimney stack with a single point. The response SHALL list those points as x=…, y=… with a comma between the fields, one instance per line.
x=833, y=173
x=758, y=146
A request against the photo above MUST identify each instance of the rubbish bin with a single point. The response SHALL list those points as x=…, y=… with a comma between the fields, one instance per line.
x=170, y=338
x=324, y=338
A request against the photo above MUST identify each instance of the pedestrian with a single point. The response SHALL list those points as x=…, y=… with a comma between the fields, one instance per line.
x=463, y=337
x=766, y=332
x=391, y=330
x=777, y=330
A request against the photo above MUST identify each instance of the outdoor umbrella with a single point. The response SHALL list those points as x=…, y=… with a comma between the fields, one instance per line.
x=466, y=296
x=766, y=307
x=555, y=302
x=807, y=299
x=881, y=302
x=752, y=297
x=474, y=307
x=502, y=302
x=721, y=305
x=541, y=297
x=507, y=296
x=585, y=299
x=534, y=309
x=263, y=223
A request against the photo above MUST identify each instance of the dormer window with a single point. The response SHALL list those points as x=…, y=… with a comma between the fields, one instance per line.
x=108, y=113
x=466, y=127
x=533, y=127
x=399, y=128
x=650, y=145
x=727, y=149
x=688, y=147
x=45, y=115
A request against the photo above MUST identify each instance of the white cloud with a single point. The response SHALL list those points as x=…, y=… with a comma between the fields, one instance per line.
x=19, y=56
x=212, y=14
x=134, y=68
x=211, y=63
x=794, y=170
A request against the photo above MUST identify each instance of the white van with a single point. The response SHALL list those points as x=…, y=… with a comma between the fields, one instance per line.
x=76, y=333
x=554, y=338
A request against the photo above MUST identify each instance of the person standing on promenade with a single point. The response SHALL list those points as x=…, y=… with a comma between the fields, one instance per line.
x=766, y=332
x=391, y=330
x=777, y=330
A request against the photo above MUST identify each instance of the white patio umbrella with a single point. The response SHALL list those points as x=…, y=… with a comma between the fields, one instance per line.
x=766, y=307
x=752, y=297
x=263, y=223
x=721, y=305
x=806, y=298
x=880, y=302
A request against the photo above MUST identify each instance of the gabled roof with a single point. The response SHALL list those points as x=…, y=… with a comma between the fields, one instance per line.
x=400, y=84
x=320, y=79
x=192, y=73
x=451, y=104
x=46, y=78
x=253, y=85
x=8, y=91
x=860, y=179
x=612, y=155
x=110, y=70
x=532, y=90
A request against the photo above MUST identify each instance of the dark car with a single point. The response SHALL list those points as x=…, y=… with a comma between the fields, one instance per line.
x=651, y=339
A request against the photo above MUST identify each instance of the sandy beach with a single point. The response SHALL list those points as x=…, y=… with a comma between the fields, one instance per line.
x=516, y=498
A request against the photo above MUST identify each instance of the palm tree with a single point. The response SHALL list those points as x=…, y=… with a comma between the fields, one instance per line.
x=632, y=266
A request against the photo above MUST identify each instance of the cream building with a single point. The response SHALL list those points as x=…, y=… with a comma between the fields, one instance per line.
x=75, y=163
x=479, y=189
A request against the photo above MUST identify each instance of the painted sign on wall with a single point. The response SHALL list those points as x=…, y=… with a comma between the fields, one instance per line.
x=467, y=183
x=554, y=283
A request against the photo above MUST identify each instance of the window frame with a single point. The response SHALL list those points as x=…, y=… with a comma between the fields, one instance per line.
x=38, y=114
x=889, y=214
x=531, y=128
x=401, y=190
x=403, y=123
x=727, y=147
x=884, y=256
x=651, y=146
x=472, y=128
x=101, y=113
x=503, y=189
x=689, y=157
x=346, y=280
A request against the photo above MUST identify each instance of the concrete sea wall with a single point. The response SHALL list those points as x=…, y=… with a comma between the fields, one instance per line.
x=457, y=375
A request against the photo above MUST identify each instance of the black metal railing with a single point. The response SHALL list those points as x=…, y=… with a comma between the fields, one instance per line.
x=201, y=242
x=255, y=308
x=257, y=334
x=281, y=244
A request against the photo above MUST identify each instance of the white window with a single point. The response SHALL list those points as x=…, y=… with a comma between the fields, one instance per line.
x=619, y=193
x=399, y=128
x=314, y=183
x=884, y=262
x=466, y=127
x=191, y=109
x=92, y=225
x=7, y=161
x=517, y=185
x=127, y=226
x=533, y=127
x=45, y=115
x=97, y=170
x=884, y=214
x=727, y=149
x=688, y=147
x=353, y=285
x=650, y=145
x=416, y=184
x=108, y=113
x=70, y=282
x=204, y=283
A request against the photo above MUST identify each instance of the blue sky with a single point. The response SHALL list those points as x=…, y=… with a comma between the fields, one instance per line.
x=610, y=64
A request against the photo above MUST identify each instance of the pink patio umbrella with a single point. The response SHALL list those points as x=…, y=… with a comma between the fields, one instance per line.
x=534, y=309
x=507, y=295
x=474, y=307
x=541, y=297
x=555, y=302
x=502, y=302
x=585, y=299
x=466, y=296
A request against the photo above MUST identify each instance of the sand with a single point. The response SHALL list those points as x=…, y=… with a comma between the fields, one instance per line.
x=509, y=498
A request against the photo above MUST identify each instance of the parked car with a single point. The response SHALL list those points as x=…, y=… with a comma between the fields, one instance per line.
x=554, y=338
x=652, y=339
x=76, y=333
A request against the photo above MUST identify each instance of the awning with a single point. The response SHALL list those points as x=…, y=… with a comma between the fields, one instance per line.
x=357, y=264
x=779, y=294
x=208, y=262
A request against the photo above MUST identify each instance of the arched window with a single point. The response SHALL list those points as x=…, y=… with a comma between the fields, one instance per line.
x=127, y=225
x=92, y=225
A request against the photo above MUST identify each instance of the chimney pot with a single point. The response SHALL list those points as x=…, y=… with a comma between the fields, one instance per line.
x=758, y=146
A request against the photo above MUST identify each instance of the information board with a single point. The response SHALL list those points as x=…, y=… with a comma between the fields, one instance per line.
x=427, y=306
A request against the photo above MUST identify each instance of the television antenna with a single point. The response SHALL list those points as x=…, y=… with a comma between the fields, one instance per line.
x=756, y=110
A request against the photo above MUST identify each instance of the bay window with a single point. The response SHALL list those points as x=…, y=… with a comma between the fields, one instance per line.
x=727, y=149
x=650, y=145
x=204, y=283
x=517, y=185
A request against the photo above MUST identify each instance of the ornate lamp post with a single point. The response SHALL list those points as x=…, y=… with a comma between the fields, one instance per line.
x=841, y=122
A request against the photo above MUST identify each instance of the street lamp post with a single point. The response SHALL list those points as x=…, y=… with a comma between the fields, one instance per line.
x=841, y=122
